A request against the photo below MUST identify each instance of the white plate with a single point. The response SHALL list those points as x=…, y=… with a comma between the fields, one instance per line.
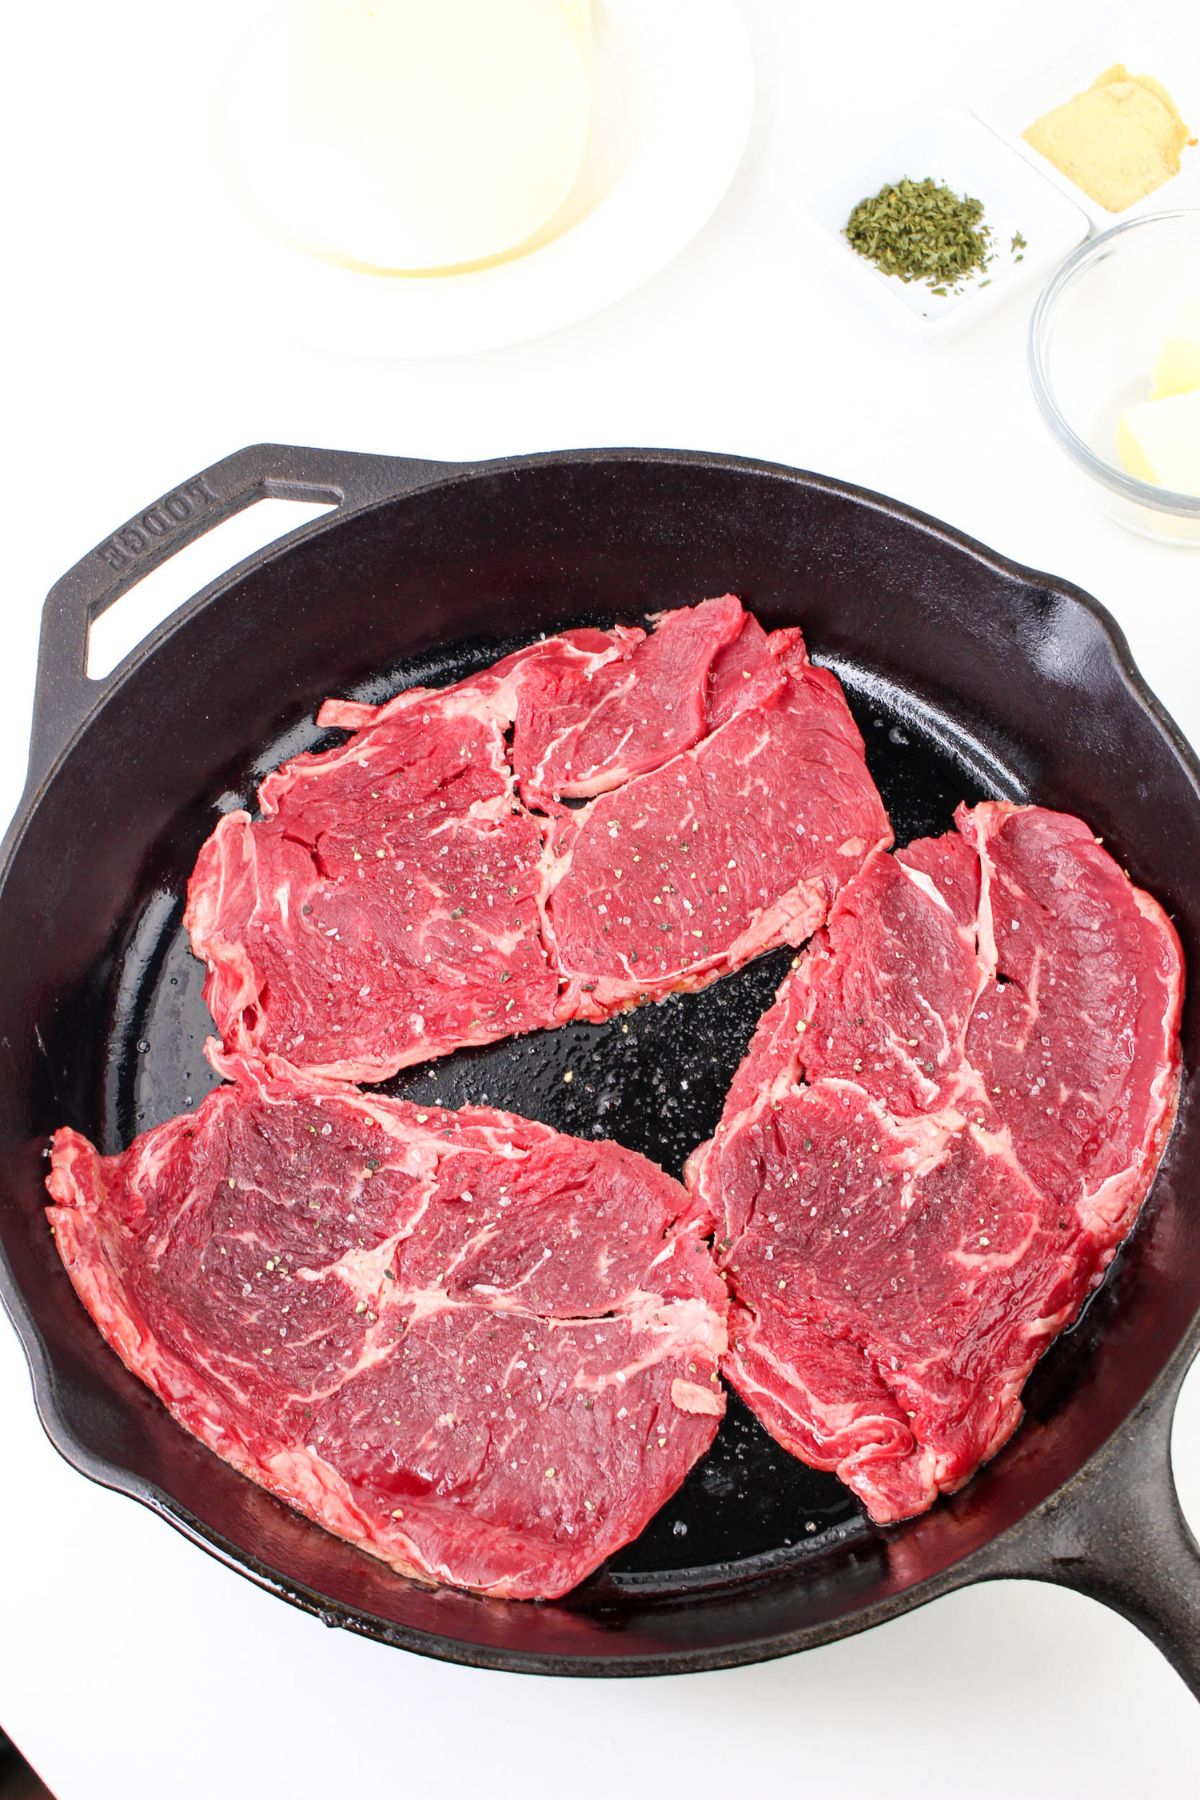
x=674, y=97
x=969, y=158
x=1121, y=34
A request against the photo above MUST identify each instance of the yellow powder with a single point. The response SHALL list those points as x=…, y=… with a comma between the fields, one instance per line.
x=1118, y=140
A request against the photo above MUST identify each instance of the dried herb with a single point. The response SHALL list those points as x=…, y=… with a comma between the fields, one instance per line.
x=922, y=231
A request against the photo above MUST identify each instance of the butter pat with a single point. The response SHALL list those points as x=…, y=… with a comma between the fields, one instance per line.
x=1177, y=370
x=410, y=136
x=1159, y=442
x=1118, y=140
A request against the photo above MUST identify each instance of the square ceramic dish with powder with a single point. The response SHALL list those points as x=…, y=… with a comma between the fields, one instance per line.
x=1107, y=115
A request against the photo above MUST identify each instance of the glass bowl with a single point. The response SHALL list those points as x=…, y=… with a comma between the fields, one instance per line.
x=1096, y=331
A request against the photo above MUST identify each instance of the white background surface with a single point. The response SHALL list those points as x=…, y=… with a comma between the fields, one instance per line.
x=130, y=1664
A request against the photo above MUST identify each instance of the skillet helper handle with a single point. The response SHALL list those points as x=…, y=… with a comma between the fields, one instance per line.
x=65, y=695
x=1118, y=1534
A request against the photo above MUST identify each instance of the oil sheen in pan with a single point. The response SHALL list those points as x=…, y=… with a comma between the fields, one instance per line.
x=654, y=1080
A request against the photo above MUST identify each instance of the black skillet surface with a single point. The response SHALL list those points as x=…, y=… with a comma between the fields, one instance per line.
x=967, y=677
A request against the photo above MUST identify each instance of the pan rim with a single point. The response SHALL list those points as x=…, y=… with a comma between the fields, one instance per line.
x=973, y=1564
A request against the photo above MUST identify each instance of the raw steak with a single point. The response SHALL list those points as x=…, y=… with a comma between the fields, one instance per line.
x=942, y=1131
x=427, y=886
x=480, y=1350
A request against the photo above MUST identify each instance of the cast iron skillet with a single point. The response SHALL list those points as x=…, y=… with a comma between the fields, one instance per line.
x=969, y=676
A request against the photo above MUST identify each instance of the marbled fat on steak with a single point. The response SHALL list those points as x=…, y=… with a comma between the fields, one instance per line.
x=427, y=885
x=729, y=850
x=485, y=1352
x=942, y=1131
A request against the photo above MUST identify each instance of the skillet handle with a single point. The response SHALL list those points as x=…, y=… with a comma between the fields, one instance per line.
x=65, y=694
x=1118, y=1534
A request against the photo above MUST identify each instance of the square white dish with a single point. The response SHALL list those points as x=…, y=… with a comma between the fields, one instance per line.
x=1119, y=34
x=960, y=151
